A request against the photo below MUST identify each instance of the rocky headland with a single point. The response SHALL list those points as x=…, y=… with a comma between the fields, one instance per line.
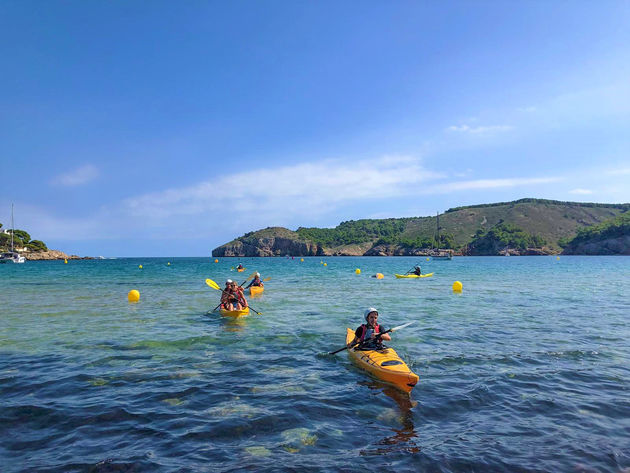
x=50, y=255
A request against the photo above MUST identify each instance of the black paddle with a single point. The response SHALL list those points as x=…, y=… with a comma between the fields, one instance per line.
x=377, y=335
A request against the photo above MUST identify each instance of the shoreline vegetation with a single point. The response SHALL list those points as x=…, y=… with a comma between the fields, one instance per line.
x=517, y=228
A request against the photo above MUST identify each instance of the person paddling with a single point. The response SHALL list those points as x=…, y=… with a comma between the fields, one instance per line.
x=255, y=282
x=240, y=266
x=367, y=334
x=417, y=271
x=233, y=297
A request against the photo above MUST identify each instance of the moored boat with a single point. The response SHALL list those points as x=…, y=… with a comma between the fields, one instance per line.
x=384, y=364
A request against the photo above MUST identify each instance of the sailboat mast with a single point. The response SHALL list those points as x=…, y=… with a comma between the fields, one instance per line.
x=12, y=227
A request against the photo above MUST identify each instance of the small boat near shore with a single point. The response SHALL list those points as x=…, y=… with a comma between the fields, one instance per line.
x=12, y=256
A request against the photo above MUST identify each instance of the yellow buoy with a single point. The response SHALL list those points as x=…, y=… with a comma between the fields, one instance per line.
x=379, y=276
x=325, y=264
x=427, y=259
x=457, y=286
x=168, y=264
x=302, y=260
x=216, y=260
x=133, y=296
x=140, y=266
x=357, y=271
x=557, y=257
x=65, y=261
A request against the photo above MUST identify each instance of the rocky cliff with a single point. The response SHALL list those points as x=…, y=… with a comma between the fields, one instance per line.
x=609, y=246
x=273, y=241
x=48, y=255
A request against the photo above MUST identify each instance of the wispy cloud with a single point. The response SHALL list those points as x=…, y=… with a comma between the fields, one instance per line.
x=492, y=184
x=581, y=191
x=478, y=130
x=77, y=177
x=308, y=187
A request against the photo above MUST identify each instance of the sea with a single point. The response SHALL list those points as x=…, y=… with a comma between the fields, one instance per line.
x=527, y=369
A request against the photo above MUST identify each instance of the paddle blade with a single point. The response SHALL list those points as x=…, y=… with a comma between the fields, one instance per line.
x=267, y=279
x=213, y=284
x=402, y=326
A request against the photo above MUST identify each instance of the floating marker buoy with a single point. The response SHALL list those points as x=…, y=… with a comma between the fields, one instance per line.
x=325, y=264
x=140, y=266
x=133, y=296
x=457, y=286
x=357, y=271
x=65, y=261
x=302, y=260
x=557, y=257
x=427, y=259
x=168, y=264
x=216, y=260
x=379, y=276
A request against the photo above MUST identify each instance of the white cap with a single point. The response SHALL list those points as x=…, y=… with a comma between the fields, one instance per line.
x=258, y=274
x=368, y=311
x=229, y=281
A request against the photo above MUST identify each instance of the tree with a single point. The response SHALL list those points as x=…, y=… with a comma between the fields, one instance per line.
x=37, y=245
x=22, y=235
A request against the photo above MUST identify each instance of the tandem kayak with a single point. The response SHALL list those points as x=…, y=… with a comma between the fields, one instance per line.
x=405, y=276
x=256, y=290
x=384, y=364
x=234, y=313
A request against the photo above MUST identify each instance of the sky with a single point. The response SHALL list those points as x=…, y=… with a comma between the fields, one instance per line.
x=153, y=128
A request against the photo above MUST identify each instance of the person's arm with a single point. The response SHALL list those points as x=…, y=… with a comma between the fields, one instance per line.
x=385, y=336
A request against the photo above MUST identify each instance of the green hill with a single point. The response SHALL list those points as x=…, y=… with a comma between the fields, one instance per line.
x=518, y=225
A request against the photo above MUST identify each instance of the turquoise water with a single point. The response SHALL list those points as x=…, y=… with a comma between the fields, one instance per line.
x=527, y=370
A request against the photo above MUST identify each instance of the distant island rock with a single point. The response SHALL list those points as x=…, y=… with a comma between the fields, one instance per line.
x=522, y=227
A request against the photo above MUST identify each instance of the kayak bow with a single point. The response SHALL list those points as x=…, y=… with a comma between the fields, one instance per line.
x=384, y=364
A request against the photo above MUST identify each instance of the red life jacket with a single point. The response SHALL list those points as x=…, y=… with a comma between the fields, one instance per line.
x=377, y=330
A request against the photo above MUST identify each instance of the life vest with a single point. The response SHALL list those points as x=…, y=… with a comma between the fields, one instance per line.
x=371, y=330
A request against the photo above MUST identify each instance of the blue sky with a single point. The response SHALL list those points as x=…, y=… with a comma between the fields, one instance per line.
x=133, y=128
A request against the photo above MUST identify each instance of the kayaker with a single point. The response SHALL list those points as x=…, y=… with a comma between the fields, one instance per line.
x=233, y=297
x=240, y=266
x=417, y=271
x=256, y=281
x=367, y=334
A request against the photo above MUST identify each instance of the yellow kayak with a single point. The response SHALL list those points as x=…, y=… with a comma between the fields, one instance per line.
x=256, y=290
x=384, y=364
x=241, y=269
x=234, y=313
x=405, y=276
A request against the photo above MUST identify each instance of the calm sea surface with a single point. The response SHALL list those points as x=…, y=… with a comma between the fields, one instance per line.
x=527, y=370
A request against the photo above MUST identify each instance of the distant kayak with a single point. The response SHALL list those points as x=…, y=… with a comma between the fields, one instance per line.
x=240, y=270
x=234, y=313
x=406, y=276
x=256, y=290
x=384, y=364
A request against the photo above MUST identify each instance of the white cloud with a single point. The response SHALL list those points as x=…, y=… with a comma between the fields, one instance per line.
x=77, y=177
x=478, y=130
x=581, y=191
x=492, y=184
x=312, y=188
